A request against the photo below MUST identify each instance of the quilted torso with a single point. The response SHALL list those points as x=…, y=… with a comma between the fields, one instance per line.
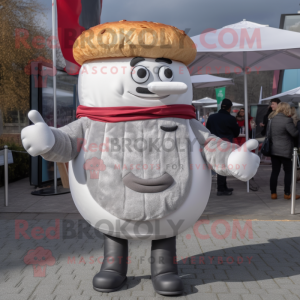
x=143, y=148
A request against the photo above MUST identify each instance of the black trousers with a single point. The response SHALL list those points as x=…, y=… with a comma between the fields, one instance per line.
x=221, y=181
x=287, y=163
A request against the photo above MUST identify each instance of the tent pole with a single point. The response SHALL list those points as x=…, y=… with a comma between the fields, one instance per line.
x=54, y=41
x=246, y=101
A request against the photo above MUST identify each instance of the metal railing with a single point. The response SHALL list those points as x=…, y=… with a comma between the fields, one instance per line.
x=294, y=181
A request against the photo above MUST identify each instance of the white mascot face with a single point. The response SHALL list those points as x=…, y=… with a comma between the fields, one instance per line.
x=127, y=82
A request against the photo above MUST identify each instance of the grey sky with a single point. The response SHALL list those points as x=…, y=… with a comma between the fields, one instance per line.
x=194, y=14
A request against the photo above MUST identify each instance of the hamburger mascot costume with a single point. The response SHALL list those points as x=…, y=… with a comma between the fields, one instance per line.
x=140, y=161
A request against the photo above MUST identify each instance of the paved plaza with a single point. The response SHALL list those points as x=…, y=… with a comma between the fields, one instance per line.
x=245, y=247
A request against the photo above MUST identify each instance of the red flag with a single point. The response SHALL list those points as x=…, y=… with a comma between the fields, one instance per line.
x=73, y=17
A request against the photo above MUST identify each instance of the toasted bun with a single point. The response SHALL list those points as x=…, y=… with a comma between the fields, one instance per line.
x=132, y=39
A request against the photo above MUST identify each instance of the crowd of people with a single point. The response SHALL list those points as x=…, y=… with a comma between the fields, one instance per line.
x=282, y=126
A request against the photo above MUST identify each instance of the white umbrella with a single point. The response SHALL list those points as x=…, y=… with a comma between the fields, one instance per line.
x=205, y=80
x=245, y=47
x=288, y=96
x=234, y=104
x=204, y=101
x=201, y=102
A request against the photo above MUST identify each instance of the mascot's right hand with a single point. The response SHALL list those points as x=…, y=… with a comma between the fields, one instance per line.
x=37, y=139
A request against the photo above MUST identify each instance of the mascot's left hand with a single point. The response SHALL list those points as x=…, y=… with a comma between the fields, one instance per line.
x=242, y=163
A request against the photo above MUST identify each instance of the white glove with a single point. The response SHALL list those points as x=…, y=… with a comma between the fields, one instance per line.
x=242, y=163
x=37, y=139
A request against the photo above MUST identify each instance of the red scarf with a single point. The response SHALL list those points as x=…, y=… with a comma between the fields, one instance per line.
x=133, y=113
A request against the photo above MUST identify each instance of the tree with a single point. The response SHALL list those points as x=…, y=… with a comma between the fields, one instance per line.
x=21, y=40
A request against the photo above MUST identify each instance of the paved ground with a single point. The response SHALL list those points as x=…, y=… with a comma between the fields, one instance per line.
x=259, y=261
x=262, y=265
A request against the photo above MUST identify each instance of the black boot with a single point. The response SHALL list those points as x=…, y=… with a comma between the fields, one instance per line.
x=112, y=275
x=224, y=193
x=164, y=272
x=228, y=189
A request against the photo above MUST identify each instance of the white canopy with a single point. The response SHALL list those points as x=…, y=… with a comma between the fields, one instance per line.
x=205, y=80
x=245, y=47
x=234, y=104
x=204, y=101
x=222, y=51
x=291, y=95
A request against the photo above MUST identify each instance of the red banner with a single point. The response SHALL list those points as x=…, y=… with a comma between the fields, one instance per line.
x=73, y=17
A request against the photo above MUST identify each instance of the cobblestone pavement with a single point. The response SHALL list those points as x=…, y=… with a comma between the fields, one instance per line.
x=215, y=261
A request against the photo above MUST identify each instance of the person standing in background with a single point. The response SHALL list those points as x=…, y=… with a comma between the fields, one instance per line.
x=240, y=118
x=224, y=126
x=294, y=115
x=206, y=116
x=273, y=106
x=264, y=123
x=296, y=122
x=282, y=138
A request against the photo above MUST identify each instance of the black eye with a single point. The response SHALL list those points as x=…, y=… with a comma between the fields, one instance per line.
x=165, y=74
x=168, y=73
x=140, y=74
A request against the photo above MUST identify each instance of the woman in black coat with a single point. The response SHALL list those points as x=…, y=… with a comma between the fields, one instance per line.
x=282, y=135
